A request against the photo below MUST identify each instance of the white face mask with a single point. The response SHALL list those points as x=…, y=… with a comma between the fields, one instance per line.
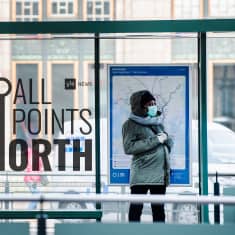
x=152, y=111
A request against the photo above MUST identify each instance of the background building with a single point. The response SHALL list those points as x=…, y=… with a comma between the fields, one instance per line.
x=48, y=58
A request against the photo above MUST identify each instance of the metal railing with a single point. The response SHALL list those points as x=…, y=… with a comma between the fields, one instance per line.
x=42, y=215
x=101, y=198
x=12, y=187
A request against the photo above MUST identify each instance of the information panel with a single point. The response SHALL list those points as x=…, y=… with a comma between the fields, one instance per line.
x=170, y=87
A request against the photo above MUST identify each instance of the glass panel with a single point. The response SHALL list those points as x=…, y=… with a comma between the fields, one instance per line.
x=183, y=49
x=18, y=8
x=98, y=3
x=149, y=50
x=62, y=11
x=28, y=74
x=44, y=65
x=221, y=111
x=26, y=11
x=27, y=3
x=89, y=8
x=54, y=8
x=224, y=84
x=224, y=8
x=62, y=4
x=70, y=11
x=106, y=8
x=98, y=11
x=186, y=9
x=75, y=57
x=103, y=84
x=59, y=73
x=35, y=8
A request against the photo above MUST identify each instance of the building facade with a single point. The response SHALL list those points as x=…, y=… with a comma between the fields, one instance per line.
x=45, y=58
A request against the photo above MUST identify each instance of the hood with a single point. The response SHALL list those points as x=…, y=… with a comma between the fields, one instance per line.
x=135, y=102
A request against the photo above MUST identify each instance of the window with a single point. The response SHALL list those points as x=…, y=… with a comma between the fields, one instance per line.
x=224, y=91
x=27, y=10
x=63, y=8
x=88, y=90
x=98, y=9
x=225, y=8
x=186, y=9
x=58, y=71
x=27, y=71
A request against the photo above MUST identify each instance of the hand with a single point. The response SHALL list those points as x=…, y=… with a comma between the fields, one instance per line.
x=162, y=137
x=169, y=143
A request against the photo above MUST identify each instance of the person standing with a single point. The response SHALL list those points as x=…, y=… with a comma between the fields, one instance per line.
x=32, y=181
x=145, y=138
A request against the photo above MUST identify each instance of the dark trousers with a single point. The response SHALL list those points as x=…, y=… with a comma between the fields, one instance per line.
x=135, y=209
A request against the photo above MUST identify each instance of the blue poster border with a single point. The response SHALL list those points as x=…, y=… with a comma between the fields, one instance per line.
x=178, y=176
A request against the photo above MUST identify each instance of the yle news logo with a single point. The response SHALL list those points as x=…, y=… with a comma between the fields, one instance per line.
x=70, y=84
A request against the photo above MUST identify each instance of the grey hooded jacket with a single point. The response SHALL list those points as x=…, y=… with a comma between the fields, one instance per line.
x=150, y=161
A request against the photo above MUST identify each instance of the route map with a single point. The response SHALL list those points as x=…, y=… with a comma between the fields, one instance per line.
x=170, y=93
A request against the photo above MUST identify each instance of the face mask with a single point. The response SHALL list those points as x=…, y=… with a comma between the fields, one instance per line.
x=152, y=111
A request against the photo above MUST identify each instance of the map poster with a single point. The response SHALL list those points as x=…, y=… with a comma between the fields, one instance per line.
x=170, y=87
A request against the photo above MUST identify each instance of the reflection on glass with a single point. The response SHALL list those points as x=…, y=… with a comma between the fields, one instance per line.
x=224, y=90
x=62, y=99
x=27, y=94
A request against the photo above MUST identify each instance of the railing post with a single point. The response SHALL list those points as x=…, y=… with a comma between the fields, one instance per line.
x=216, y=206
x=7, y=190
x=97, y=115
x=41, y=220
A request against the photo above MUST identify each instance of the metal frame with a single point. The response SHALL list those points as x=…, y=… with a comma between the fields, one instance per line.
x=149, y=26
x=81, y=214
x=202, y=122
x=189, y=115
x=96, y=28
